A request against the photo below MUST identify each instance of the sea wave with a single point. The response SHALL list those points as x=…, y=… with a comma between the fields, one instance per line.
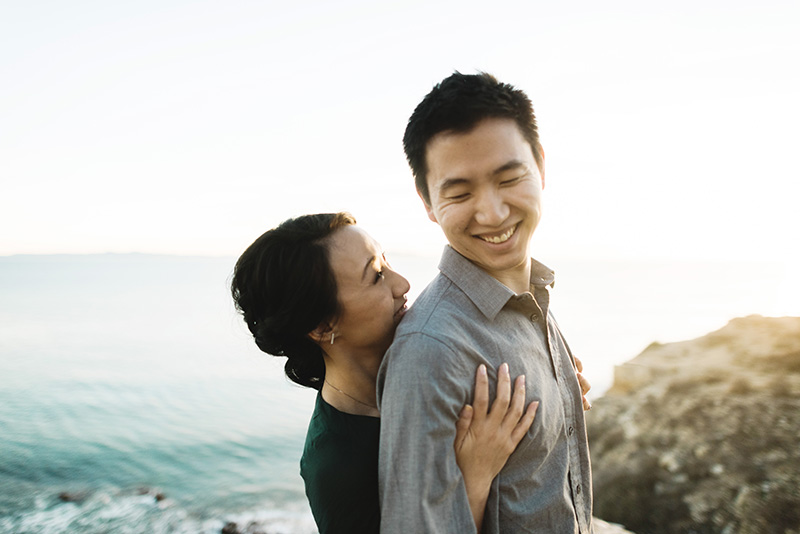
x=147, y=511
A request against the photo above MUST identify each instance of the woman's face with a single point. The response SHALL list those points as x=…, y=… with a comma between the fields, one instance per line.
x=372, y=296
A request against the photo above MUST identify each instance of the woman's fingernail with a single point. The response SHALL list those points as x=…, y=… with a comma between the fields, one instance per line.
x=482, y=369
x=504, y=368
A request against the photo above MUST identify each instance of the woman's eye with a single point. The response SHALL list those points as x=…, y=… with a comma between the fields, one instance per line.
x=511, y=181
x=378, y=276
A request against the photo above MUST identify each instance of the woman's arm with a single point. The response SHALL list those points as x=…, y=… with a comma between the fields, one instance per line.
x=485, y=437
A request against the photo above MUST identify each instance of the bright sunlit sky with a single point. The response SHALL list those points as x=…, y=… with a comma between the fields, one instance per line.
x=168, y=126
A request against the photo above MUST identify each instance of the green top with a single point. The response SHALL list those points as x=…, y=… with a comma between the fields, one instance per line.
x=340, y=470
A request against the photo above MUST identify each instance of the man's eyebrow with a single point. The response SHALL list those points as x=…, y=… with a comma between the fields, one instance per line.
x=513, y=164
x=367, y=266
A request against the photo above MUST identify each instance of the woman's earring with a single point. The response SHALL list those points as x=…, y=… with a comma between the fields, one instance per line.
x=333, y=335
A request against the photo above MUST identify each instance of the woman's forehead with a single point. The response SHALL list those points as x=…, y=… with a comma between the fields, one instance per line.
x=352, y=249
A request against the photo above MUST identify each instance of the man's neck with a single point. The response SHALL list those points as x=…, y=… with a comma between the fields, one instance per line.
x=517, y=280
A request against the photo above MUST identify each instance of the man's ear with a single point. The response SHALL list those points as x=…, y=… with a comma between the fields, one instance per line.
x=541, y=167
x=428, y=208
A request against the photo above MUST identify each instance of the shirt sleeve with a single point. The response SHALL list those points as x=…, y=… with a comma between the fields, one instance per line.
x=422, y=386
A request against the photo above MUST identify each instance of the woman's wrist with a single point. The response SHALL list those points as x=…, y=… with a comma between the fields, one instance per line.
x=477, y=483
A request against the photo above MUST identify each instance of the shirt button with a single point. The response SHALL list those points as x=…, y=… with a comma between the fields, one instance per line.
x=570, y=431
x=534, y=317
x=578, y=489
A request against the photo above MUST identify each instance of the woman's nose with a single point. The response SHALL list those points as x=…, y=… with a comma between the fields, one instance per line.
x=400, y=285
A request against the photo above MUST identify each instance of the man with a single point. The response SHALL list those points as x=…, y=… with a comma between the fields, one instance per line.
x=473, y=146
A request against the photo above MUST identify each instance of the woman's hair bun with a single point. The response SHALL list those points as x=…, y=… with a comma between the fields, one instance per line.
x=284, y=287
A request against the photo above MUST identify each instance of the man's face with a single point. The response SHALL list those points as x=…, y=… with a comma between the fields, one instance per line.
x=485, y=193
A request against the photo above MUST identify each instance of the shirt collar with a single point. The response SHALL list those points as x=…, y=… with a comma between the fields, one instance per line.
x=488, y=295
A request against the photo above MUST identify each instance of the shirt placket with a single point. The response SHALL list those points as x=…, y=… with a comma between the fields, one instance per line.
x=542, y=300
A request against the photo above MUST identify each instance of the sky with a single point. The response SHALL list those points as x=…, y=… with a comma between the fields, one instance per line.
x=176, y=127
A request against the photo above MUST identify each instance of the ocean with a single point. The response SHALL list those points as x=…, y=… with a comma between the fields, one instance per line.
x=132, y=399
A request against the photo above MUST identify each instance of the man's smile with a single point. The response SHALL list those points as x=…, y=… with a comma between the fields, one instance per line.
x=498, y=238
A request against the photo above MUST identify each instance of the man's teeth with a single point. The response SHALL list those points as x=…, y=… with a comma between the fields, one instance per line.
x=500, y=238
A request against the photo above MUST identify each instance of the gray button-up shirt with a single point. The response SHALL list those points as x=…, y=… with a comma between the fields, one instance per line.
x=462, y=319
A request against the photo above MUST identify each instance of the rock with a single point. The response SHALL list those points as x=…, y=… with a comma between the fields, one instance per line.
x=73, y=496
x=230, y=528
x=254, y=528
x=603, y=527
x=157, y=495
x=702, y=435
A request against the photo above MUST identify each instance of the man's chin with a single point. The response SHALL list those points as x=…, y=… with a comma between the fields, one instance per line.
x=495, y=260
x=502, y=268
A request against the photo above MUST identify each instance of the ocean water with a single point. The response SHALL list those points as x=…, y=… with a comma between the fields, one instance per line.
x=129, y=382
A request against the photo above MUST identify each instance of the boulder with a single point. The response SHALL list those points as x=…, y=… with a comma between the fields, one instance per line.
x=702, y=436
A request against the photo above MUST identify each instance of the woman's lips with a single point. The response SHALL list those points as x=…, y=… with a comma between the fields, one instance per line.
x=402, y=310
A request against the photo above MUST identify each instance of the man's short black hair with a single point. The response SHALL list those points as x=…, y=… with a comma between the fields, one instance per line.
x=457, y=104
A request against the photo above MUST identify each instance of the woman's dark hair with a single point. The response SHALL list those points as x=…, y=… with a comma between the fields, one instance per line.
x=284, y=287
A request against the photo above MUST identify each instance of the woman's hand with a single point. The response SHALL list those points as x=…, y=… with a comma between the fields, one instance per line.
x=485, y=437
x=585, y=385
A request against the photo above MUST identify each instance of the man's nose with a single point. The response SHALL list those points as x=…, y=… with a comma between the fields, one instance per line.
x=491, y=208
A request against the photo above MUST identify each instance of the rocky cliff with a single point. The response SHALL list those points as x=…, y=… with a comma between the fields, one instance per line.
x=703, y=436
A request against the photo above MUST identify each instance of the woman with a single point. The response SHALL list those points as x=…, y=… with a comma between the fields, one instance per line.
x=318, y=290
